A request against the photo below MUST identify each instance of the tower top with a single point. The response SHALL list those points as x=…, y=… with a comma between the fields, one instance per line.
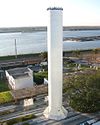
x=55, y=8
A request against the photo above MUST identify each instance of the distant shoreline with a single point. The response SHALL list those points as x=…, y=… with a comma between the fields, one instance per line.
x=82, y=39
x=44, y=28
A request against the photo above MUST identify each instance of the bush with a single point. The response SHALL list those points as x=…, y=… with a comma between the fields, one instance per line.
x=84, y=92
x=3, y=86
x=39, y=77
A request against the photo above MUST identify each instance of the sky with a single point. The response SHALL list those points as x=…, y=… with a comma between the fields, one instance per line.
x=24, y=13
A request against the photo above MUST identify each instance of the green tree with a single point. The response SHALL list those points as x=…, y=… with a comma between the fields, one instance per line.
x=84, y=92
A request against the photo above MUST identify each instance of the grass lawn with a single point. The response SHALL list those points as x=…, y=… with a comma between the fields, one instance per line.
x=3, y=86
x=5, y=97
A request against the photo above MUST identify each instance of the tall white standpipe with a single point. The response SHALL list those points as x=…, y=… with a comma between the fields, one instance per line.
x=55, y=110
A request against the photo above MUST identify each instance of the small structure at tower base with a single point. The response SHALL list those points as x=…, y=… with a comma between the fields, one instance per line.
x=28, y=102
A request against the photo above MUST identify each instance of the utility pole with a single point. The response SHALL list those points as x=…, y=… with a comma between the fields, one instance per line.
x=15, y=49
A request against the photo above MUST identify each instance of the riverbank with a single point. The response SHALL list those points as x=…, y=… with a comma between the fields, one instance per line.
x=79, y=53
x=38, y=55
x=11, y=57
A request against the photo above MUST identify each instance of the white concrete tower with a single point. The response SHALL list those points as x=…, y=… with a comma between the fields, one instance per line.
x=55, y=110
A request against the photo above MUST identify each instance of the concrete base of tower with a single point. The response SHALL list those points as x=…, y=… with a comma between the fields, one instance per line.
x=56, y=114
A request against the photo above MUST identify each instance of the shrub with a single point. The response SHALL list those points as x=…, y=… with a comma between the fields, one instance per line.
x=3, y=86
x=39, y=77
x=84, y=92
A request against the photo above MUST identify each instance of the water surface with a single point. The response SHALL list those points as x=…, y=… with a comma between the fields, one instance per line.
x=35, y=42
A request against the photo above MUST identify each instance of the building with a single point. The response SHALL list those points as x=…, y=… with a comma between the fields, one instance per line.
x=55, y=110
x=19, y=78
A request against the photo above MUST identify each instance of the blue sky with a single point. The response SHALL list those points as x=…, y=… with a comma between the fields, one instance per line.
x=16, y=13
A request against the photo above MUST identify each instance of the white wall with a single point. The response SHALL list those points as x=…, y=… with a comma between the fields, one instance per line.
x=23, y=82
x=11, y=80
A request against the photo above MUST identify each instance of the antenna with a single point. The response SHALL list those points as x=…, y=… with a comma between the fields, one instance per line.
x=15, y=49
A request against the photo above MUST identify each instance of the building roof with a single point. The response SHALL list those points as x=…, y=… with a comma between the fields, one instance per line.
x=19, y=72
x=15, y=76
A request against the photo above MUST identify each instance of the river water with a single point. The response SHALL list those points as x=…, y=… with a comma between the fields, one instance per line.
x=35, y=42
